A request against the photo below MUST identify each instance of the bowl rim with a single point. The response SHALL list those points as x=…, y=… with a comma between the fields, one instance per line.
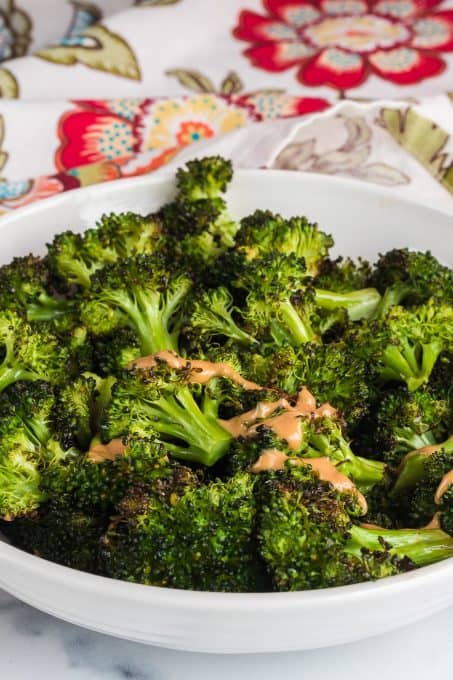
x=193, y=599
x=165, y=177
x=209, y=600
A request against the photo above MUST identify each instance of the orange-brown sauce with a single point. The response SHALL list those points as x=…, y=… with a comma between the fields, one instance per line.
x=100, y=452
x=445, y=484
x=424, y=451
x=274, y=459
x=201, y=372
x=286, y=423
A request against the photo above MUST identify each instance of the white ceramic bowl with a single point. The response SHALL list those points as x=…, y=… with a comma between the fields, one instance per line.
x=364, y=221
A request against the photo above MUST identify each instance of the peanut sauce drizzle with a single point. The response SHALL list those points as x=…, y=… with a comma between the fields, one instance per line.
x=434, y=523
x=286, y=425
x=274, y=459
x=445, y=483
x=201, y=372
x=100, y=452
x=424, y=451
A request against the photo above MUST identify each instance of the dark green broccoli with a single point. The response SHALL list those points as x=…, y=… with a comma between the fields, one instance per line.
x=74, y=258
x=77, y=411
x=263, y=233
x=333, y=372
x=213, y=317
x=162, y=400
x=279, y=308
x=405, y=345
x=412, y=278
x=404, y=421
x=30, y=352
x=141, y=293
x=307, y=538
x=441, y=382
x=28, y=447
x=414, y=465
x=34, y=404
x=282, y=307
x=203, y=178
x=98, y=480
x=26, y=285
x=60, y=533
x=79, y=497
x=197, y=224
x=324, y=437
x=343, y=275
x=114, y=351
x=130, y=233
x=200, y=539
x=423, y=488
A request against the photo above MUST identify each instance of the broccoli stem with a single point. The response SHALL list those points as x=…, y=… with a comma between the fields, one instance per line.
x=10, y=374
x=360, y=304
x=151, y=324
x=149, y=315
x=411, y=440
x=76, y=271
x=412, y=364
x=178, y=416
x=393, y=295
x=299, y=329
x=422, y=546
x=413, y=469
x=48, y=309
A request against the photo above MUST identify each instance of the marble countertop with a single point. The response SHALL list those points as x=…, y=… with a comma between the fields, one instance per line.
x=34, y=646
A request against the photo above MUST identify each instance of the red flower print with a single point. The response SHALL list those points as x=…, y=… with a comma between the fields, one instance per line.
x=97, y=131
x=340, y=42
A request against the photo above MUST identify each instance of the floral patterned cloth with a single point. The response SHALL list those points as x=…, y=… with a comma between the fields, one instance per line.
x=96, y=90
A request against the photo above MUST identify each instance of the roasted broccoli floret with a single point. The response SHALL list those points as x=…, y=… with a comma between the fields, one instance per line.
x=324, y=437
x=100, y=478
x=30, y=352
x=141, y=293
x=114, y=351
x=405, y=345
x=130, y=233
x=82, y=495
x=73, y=258
x=415, y=464
x=60, y=533
x=197, y=223
x=278, y=308
x=281, y=306
x=404, y=421
x=412, y=278
x=307, y=538
x=343, y=275
x=263, y=233
x=199, y=538
x=29, y=446
x=77, y=410
x=26, y=285
x=161, y=399
x=213, y=317
x=333, y=372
